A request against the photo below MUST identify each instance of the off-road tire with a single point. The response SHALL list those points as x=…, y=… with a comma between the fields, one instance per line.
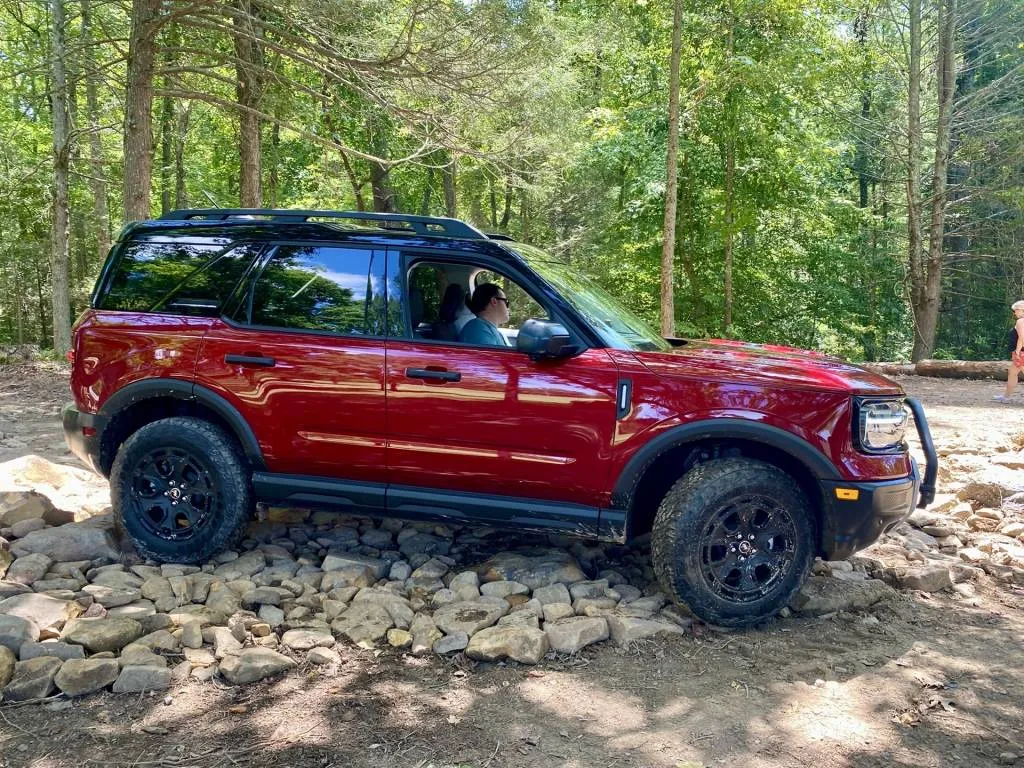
x=220, y=456
x=689, y=519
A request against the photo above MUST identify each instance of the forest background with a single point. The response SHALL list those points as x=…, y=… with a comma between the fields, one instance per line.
x=835, y=174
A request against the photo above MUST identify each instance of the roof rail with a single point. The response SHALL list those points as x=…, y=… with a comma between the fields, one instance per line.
x=421, y=225
x=499, y=236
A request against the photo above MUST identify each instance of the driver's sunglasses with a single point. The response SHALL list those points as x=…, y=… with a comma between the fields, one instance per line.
x=503, y=298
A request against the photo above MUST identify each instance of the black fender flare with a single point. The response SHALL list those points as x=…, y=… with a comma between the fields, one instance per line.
x=817, y=463
x=181, y=389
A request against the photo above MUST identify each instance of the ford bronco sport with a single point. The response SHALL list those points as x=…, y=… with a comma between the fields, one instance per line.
x=310, y=358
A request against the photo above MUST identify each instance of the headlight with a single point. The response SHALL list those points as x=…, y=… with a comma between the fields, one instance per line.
x=882, y=425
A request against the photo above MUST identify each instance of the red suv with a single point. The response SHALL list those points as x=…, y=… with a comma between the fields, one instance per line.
x=314, y=359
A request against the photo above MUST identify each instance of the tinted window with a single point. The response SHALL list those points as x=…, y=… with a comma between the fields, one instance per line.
x=175, y=278
x=337, y=290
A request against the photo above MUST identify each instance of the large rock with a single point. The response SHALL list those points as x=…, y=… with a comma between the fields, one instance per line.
x=626, y=629
x=42, y=610
x=16, y=506
x=534, y=568
x=243, y=567
x=339, y=559
x=16, y=631
x=821, y=594
x=397, y=606
x=471, y=616
x=29, y=568
x=363, y=623
x=7, y=662
x=63, y=651
x=111, y=598
x=254, y=664
x=75, y=541
x=12, y=588
x=351, y=575
x=930, y=578
x=80, y=677
x=136, y=678
x=523, y=644
x=576, y=632
x=424, y=634
x=306, y=639
x=99, y=635
x=32, y=679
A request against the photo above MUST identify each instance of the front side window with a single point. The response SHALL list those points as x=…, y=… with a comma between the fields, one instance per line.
x=178, y=278
x=320, y=288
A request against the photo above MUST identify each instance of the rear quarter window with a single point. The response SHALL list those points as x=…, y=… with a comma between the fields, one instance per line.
x=175, y=278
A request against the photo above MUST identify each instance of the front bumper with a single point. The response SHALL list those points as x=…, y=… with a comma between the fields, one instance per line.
x=83, y=432
x=858, y=513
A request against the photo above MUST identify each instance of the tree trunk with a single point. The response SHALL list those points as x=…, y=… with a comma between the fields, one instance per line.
x=167, y=131
x=249, y=93
x=380, y=173
x=450, y=203
x=427, y=190
x=668, y=230
x=275, y=162
x=61, y=301
x=506, y=214
x=730, y=171
x=97, y=182
x=138, y=108
x=180, y=190
x=914, y=204
x=946, y=82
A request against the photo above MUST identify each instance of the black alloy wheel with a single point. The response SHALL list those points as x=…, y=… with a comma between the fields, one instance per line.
x=174, y=494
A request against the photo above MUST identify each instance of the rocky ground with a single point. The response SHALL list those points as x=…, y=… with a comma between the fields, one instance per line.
x=343, y=641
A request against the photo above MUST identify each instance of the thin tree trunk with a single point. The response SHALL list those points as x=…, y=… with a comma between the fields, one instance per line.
x=138, y=109
x=946, y=82
x=730, y=171
x=357, y=186
x=167, y=131
x=448, y=173
x=668, y=230
x=249, y=93
x=275, y=161
x=380, y=173
x=61, y=300
x=914, y=204
x=180, y=189
x=506, y=214
x=427, y=190
x=492, y=196
x=97, y=182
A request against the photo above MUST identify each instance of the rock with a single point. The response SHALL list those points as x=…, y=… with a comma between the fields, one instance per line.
x=338, y=559
x=140, y=656
x=204, y=674
x=820, y=595
x=25, y=527
x=12, y=588
x=16, y=506
x=200, y=657
x=16, y=631
x=63, y=651
x=432, y=569
x=348, y=576
x=265, y=596
x=42, y=610
x=593, y=606
x=80, y=677
x=7, y=662
x=33, y=679
x=158, y=640
x=556, y=611
x=117, y=579
x=571, y=634
x=272, y=615
x=503, y=589
x=109, y=597
x=967, y=554
x=192, y=634
x=222, y=599
x=254, y=664
x=423, y=544
x=534, y=568
x=323, y=657
x=363, y=623
x=465, y=579
x=985, y=494
x=243, y=567
x=399, y=638
x=6, y=558
x=99, y=635
x=28, y=568
x=305, y=639
x=519, y=619
x=523, y=644
x=424, y=634
x=74, y=541
x=400, y=571
x=553, y=594
x=453, y=643
x=627, y=629
x=139, y=678
x=470, y=617
x=927, y=579
x=138, y=610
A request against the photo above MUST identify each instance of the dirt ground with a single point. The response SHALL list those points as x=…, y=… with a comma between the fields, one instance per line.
x=921, y=680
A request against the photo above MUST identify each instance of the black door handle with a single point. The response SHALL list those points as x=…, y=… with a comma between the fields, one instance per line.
x=266, y=362
x=426, y=373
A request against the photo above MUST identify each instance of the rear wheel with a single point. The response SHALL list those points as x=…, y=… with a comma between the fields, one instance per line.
x=181, y=490
x=733, y=541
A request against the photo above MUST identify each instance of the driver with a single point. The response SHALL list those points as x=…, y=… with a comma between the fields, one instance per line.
x=490, y=305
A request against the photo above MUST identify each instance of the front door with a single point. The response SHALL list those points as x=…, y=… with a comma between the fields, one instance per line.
x=479, y=421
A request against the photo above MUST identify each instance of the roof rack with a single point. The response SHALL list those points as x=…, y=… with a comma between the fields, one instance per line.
x=421, y=225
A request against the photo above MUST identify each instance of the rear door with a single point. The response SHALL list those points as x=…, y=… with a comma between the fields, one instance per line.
x=301, y=357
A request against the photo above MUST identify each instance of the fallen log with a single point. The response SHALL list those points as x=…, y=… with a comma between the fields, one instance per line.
x=945, y=369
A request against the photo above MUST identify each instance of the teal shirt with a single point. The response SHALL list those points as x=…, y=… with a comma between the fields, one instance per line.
x=483, y=332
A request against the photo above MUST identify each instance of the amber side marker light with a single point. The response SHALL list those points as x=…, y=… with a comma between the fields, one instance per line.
x=847, y=494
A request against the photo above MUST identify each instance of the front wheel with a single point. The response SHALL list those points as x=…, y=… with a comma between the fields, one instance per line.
x=733, y=541
x=181, y=490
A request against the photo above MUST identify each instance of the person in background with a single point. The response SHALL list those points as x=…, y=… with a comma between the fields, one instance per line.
x=490, y=305
x=1015, y=348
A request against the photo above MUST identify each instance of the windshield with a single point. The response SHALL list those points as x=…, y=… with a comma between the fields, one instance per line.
x=617, y=326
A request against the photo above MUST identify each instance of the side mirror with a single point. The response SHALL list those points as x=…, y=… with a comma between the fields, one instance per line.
x=544, y=340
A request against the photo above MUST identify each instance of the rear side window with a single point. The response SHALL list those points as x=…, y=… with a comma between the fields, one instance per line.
x=321, y=288
x=175, y=278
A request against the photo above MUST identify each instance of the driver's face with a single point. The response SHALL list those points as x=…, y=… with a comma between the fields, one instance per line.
x=502, y=301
